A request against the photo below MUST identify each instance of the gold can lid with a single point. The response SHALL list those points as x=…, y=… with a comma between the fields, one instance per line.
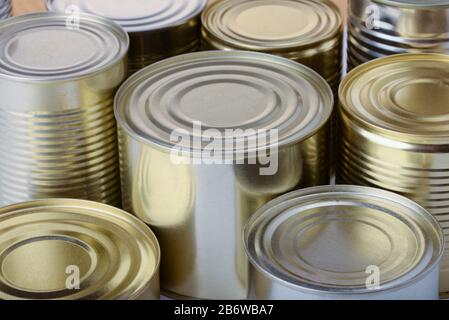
x=74, y=249
x=405, y=97
x=271, y=25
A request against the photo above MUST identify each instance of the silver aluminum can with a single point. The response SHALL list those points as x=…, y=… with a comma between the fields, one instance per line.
x=379, y=28
x=5, y=9
x=158, y=29
x=198, y=208
x=344, y=243
x=65, y=249
x=58, y=77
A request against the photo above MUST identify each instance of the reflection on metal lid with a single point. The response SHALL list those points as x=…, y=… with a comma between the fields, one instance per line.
x=324, y=239
x=415, y=3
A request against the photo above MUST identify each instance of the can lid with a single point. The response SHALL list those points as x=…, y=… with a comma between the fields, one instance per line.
x=326, y=239
x=135, y=15
x=403, y=96
x=42, y=243
x=50, y=46
x=415, y=3
x=233, y=96
x=271, y=25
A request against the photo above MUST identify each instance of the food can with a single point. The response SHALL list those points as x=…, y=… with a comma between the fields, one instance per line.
x=5, y=9
x=307, y=31
x=207, y=138
x=344, y=243
x=61, y=249
x=58, y=134
x=158, y=29
x=394, y=132
x=379, y=28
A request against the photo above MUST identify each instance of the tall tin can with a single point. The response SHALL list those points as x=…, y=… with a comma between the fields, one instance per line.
x=394, y=132
x=307, y=31
x=207, y=138
x=158, y=29
x=344, y=243
x=58, y=77
x=5, y=9
x=379, y=28
x=61, y=249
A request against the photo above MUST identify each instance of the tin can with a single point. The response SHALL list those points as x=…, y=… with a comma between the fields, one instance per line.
x=307, y=31
x=61, y=249
x=344, y=243
x=379, y=28
x=158, y=29
x=5, y=9
x=58, y=77
x=197, y=198
x=394, y=121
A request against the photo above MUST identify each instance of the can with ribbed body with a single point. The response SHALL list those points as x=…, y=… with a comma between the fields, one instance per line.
x=379, y=28
x=307, y=31
x=158, y=29
x=394, y=121
x=344, y=243
x=186, y=172
x=58, y=77
x=5, y=9
x=65, y=249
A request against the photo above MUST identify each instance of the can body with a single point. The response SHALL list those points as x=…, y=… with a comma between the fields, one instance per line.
x=198, y=207
x=58, y=128
x=379, y=28
x=410, y=157
x=5, y=9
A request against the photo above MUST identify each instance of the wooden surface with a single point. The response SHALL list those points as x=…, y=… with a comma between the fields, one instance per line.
x=25, y=6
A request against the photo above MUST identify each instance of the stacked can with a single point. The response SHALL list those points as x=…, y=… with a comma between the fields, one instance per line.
x=158, y=29
x=5, y=9
x=206, y=139
x=344, y=243
x=57, y=126
x=76, y=249
x=307, y=31
x=394, y=131
x=379, y=28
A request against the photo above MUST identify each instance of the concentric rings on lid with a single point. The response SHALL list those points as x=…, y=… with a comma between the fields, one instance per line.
x=115, y=255
x=52, y=46
x=136, y=15
x=267, y=25
x=323, y=239
x=406, y=96
x=415, y=3
x=221, y=91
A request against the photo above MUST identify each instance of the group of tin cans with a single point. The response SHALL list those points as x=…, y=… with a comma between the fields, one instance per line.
x=225, y=154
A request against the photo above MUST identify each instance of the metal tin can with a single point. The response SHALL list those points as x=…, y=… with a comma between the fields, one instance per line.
x=158, y=29
x=394, y=131
x=307, y=31
x=60, y=249
x=5, y=9
x=344, y=243
x=58, y=77
x=379, y=28
x=197, y=204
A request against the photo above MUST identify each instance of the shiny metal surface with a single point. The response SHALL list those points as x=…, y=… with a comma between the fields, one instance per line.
x=198, y=210
x=309, y=32
x=317, y=243
x=116, y=255
x=379, y=28
x=5, y=9
x=158, y=28
x=57, y=128
x=394, y=132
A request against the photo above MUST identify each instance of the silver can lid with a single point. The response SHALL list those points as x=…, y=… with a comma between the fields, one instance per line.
x=325, y=239
x=51, y=46
x=221, y=91
x=415, y=3
x=135, y=15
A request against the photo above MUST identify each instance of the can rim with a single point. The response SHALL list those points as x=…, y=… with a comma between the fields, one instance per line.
x=319, y=289
x=121, y=35
x=401, y=4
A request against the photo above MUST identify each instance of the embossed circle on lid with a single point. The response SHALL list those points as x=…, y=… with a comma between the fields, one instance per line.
x=136, y=15
x=223, y=91
x=324, y=239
